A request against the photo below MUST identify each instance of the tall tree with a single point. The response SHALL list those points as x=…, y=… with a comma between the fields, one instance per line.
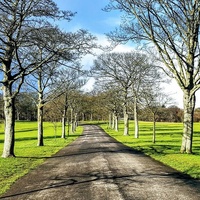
x=146, y=73
x=67, y=82
x=117, y=69
x=154, y=99
x=20, y=22
x=172, y=26
x=129, y=71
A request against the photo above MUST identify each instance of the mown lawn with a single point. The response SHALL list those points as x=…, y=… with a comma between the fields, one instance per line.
x=167, y=146
x=28, y=154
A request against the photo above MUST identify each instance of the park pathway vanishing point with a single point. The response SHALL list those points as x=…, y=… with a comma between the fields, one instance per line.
x=97, y=167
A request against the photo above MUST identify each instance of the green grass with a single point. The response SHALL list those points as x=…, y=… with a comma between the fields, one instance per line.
x=167, y=146
x=28, y=154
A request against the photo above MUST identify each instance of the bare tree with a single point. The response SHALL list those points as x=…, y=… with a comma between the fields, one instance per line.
x=117, y=69
x=153, y=98
x=110, y=101
x=129, y=72
x=114, y=101
x=68, y=81
x=20, y=21
x=146, y=73
x=173, y=28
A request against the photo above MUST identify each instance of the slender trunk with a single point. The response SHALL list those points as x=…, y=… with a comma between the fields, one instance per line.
x=63, y=127
x=72, y=121
x=154, y=128
x=126, y=121
x=9, y=112
x=40, y=108
x=110, y=120
x=136, y=118
x=113, y=120
x=68, y=126
x=40, y=124
x=189, y=105
x=64, y=118
x=83, y=117
x=75, y=122
x=116, y=123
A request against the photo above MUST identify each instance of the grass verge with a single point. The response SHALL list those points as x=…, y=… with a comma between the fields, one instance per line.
x=167, y=146
x=28, y=154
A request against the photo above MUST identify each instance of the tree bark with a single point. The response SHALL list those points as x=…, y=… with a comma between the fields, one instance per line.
x=154, y=128
x=110, y=120
x=126, y=122
x=40, y=108
x=189, y=105
x=136, y=119
x=72, y=120
x=9, y=112
x=40, y=124
x=64, y=118
x=113, y=120
x=75, y=121
x=63, y=127
x=116, y=123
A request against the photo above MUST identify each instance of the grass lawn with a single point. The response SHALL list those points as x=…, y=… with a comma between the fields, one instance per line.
x=167, y=146
x=28, y=154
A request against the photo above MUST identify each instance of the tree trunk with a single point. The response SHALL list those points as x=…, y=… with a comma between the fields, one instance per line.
x=72, y=121
x=40, y=124
x=136, y=118
x=68, y=126
x=110, y=120
x=9, y=112
x=75, y=121
x=83, y=117
x=64, y=118
x=116, y=123
x=40, y=108
x=126, y=122
x=154, y=128
x=63, y=127
x=189, y=105
x=113, y=120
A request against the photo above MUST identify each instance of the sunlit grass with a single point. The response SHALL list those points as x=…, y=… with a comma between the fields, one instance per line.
x=167, y=146
x=28, y=154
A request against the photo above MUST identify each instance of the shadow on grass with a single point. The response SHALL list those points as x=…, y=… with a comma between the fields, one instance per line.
x=26, y=130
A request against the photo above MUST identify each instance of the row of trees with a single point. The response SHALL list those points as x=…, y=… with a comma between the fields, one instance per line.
x=32, y=49
x=91, y=107
x=128, y=76
x=170, y=28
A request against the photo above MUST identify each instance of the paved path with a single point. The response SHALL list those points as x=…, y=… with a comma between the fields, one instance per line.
x=97, y=167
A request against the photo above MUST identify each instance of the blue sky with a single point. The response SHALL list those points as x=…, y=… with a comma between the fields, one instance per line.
x=90, y=15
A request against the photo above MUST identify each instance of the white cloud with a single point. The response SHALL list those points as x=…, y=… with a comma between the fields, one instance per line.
x=174, y=91
x=88, y=87
x=113, y=21
x=123, y=48
x=87, y=60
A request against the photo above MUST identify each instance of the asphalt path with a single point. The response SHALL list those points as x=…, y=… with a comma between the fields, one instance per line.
x=97, y=167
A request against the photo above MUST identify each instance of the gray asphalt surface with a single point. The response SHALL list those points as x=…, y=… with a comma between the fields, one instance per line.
x=97, y=167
